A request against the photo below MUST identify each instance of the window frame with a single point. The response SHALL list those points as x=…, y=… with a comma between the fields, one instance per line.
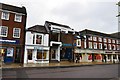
x=78, y=40
x=34, y=39
x=90, y=45
x=15, y=18
x=14, y=32
x=6, y=32
x=100, y=47
x=100, y=39
x=7, y=16
x=95, y=47
x=94, y=38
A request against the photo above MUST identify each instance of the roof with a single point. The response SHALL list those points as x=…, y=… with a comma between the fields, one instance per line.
x=86, y=31
x=13, y=8
x=61, y=25
x=38, y=28
x=117, y=34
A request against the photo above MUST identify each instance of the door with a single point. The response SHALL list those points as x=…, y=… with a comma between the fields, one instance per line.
x=68, y=53
x=30, y=53
x=53, y=54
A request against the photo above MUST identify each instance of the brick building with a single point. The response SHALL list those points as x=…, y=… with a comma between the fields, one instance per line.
x=12, y=32
x=97, y=46
x=60, y=41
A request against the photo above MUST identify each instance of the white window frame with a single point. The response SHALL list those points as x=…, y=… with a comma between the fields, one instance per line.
x=100, y=47
x=113, y=41
x=105, y=46
x=109, y=40
x=90, y=38
x=14, y=32
x=90, y=45
x=6, y=32
x=94, y=38
x=79, y=40
x=95, y=45
x=114, y=47
x=117, y=41
x=105, y=40
x=15, y=19
x=110, y=46
x=100, y=39
x=2, y=15
x=118, y=47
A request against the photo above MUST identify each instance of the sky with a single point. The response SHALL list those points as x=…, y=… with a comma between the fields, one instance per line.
x=97, y=15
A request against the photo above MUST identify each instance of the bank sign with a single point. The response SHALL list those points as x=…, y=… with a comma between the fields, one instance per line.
x=5, y=41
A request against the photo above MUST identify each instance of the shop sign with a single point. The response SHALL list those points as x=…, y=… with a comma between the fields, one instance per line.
x=9, y=41
x=66, y=44
x=9, y=52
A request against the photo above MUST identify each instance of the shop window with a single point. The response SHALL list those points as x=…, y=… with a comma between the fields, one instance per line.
x=18, y=17
x=41, y=54
x=109, y=56
x=5, y=15
x=114, y=56
x=29, y=54
x=16, y=32
x=3, y=31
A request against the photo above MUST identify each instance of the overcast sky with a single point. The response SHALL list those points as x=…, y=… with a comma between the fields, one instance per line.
x=98, y=15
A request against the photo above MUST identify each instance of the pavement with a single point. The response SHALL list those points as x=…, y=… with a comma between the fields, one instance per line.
x=52, y=65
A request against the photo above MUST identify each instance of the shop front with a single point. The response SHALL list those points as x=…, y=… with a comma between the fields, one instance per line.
x=36, y=54
x=10, y=51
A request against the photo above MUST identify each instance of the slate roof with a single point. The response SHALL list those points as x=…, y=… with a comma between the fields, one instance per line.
x=38, y=28
x=13, y=8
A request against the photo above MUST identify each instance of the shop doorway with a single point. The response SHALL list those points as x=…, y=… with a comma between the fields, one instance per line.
x=53, y=54
x=29, y=55
x=68, y=53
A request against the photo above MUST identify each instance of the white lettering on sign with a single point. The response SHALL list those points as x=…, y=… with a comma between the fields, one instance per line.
x=7, y=41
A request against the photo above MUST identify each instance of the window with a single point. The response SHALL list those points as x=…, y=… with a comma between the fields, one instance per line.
x=41, y=54
x=114, y=47
x=90, y=38
x=78, y=42
x=105, y=46
x=113, y=41
x=16, y=32
x=95, y=45
x=38, y=39
x=110, y=47
x=95, y=38
x=117, y=41
x=90, y=45
x=100, y=39
x=118, y=47
x=100, y=45
x=105, y=40
x=18, y=17
x=109, y=40
x=3, y=31
x=5, y=15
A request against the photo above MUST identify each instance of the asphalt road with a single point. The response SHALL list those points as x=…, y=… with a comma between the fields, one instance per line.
x=95, y=71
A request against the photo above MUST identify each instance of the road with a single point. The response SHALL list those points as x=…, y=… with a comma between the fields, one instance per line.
x=95, y=71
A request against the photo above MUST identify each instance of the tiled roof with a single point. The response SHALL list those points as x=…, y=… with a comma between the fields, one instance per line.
x=38, y=28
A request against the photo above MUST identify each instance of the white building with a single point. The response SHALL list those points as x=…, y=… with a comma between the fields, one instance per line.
x=36, y=45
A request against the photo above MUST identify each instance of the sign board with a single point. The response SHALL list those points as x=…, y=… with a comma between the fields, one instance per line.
x=5, y=41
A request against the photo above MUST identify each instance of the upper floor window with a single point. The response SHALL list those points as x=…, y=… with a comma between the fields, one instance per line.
x=117, y=41
x=90, y=38
x=90, y=45
x=100, y=45
x=113, y=41
x=18, y=17
x=109, y=40
x=114, y=47
x=3, y=31
x=78, y=42
x=100, y=39
x=16, y=32
x=5, y=15
x=105, y=40
x=105, y=46
x=95, y=38
x=118, y=47
x=37, y=39
x=110, y=47
x=95, y=45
